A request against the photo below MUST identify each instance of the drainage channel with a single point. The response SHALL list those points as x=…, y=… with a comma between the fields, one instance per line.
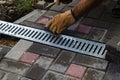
x=82, y=46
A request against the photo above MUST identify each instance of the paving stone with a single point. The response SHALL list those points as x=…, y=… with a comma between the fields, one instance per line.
x=35, y=72
x=113, y=72
x=17, y=51
x=90, y=62
x=63, y=61
x=93, y=74
x=33, y=25
x=13, y=66
x=4, y=51
x=24, y=78
x=76, y=71
x=44, y=50
x=96, y=12
x=10, y=76
x=84, y=29
x=73, y=3
x=44, y=62
x=58, y=7
x=50, y=75
x=95, y=23
x=29, y=58
x=50, y=13
x=66, y=8
x=35, y=17
x=2, y=73
x=43, y=20
x=97, y=34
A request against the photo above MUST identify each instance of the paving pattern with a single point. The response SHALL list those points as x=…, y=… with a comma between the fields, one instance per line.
x=33, y=61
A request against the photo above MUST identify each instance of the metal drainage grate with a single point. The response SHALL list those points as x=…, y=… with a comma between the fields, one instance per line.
x=83, y=46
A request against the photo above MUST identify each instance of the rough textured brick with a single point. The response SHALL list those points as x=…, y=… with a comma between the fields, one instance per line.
x=50, y=75
x=17, y=51
x=12, y=66
x=44, y=62
x=34, y=17
x=97, y=34
x=57, y=7
x=35, y=72
x=50, y=13
x=95, y=23
x=33, y=25
x=113, y=72
x=2, y=73
x=44, y=50
x=90, y=62
x=29, y=58
x=76, y=71
x=96, y=12
x=66, y=8
x=63, y=61
x=10, y=76
x=93, y=74
x=24, y=78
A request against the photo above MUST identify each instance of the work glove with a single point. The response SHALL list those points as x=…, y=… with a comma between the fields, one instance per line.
x=61, y=22
x=63, y=1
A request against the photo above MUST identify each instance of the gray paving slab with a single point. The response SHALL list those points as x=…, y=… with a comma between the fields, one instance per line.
x=2, y=74
x=58, y=7
x=17, y=51
x=11, y=76
x=44, y=62
x=93, y=74
x=90, y=62
x=44, y=50
x=24, y=78
x=12, y=66
x=73, y=3
x=50, y=13
x=35, y=72
x=62, y=61
x=113, y=72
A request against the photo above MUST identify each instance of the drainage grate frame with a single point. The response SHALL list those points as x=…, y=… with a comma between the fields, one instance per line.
x=83, y=46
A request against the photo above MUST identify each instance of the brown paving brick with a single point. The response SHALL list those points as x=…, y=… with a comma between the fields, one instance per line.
x=35, y=72
x=42, y=20
x=63, y=61
x=13, y=66
x=90, y=62
x=76, y=71
x=29, y=58
x=113, y=72
x=93, y=74
x=44, y=50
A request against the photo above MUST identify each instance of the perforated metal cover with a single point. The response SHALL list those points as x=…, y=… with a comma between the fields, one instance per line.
x=82, y=46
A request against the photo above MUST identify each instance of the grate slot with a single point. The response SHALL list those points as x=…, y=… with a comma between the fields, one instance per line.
x=81, y=46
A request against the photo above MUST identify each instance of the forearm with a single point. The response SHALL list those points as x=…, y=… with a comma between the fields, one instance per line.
x=83, y=6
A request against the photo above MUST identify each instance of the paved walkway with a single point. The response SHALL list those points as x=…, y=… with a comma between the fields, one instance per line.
x=33, y=61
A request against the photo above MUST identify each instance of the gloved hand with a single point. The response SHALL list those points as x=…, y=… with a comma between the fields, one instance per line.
x=61, y=22
x=63, y=1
